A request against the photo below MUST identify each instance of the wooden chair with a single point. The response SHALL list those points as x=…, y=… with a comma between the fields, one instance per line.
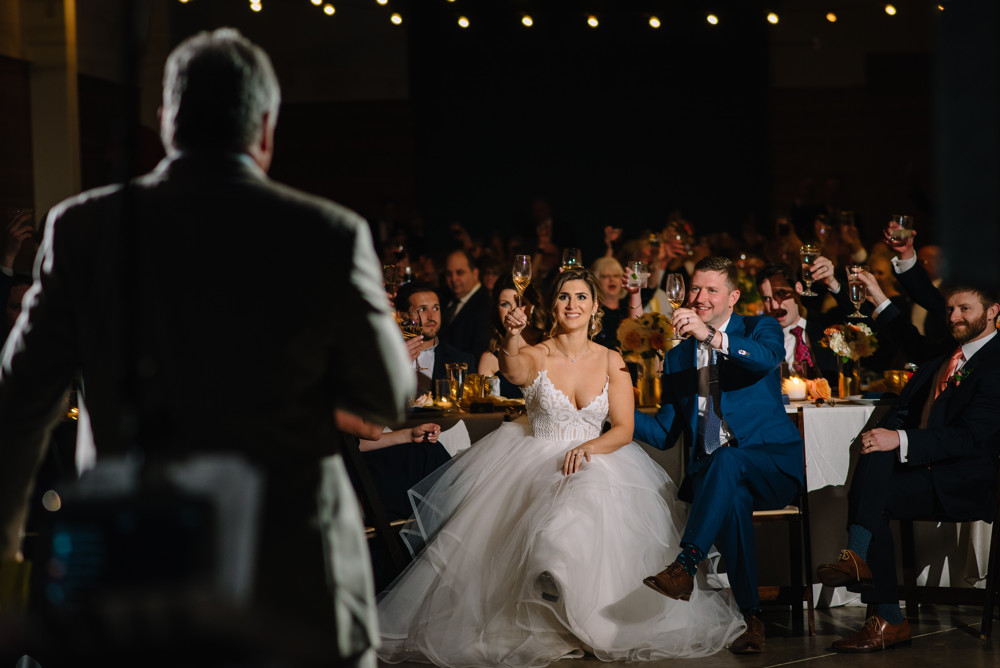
x=989, y=597
x=796, y=516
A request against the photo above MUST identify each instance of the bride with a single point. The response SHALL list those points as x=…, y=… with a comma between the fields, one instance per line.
x=536, y=540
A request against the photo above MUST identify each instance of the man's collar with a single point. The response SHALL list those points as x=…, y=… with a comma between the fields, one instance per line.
x=468, y=295
x=972, y=347
x=801, y=322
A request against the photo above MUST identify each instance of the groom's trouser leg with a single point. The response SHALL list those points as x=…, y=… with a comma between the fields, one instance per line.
x=881, y=490
x=726, y=492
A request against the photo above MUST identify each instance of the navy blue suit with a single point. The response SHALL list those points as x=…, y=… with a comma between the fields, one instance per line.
x=764, y=471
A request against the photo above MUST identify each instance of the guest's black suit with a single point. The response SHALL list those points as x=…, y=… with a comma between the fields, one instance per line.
x=951, y=462
x=469, y=331
x=445, y=353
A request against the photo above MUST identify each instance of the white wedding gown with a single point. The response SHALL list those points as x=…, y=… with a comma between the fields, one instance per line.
x=523, y=565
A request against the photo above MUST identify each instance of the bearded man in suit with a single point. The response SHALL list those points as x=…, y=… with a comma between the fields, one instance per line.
x=161, y=294
x=933, y=454
x=721, y=391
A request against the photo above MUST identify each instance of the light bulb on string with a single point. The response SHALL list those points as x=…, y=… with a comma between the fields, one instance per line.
x=382, y=2
x=654, y=22
x=592, y=21
x=713, y=19
x=890, y=10
x=329, y=10
x=527, y=21
x=255, y=6
x=831, y=17
x=396, y=18
x=316, y=2
x=772, y=18
x=463, y=22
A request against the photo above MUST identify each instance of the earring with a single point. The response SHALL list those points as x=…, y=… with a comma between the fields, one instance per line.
x=593, y=324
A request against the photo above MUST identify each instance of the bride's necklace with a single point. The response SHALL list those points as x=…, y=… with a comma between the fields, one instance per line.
x=572, y=359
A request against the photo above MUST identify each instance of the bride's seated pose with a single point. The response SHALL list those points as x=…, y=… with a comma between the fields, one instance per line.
x=535, y=541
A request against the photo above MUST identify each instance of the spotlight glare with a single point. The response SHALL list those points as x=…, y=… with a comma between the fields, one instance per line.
x=329, y=10
x=463, y=22
x=654, y=22
x=592, y=21
x=831, y=17
x=396, y=18
x=890, y=10
x=526, y=20
x=772, y=18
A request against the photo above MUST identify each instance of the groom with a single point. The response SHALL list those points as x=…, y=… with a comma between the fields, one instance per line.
x=722, y=392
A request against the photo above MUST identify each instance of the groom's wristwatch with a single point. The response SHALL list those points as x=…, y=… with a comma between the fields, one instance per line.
x=711, y=335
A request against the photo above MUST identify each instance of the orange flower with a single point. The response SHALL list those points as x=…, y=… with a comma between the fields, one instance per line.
x=657, y=341
x=632, y=340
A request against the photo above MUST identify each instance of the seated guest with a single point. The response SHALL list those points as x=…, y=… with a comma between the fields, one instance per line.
x=398, y=460
x=934, y=453
x=505, y=300
x=779, y=292
x=466, y=323
x=614, y=305
x=421, y=301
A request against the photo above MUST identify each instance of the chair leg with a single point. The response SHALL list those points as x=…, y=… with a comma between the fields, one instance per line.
x=795, y=572
x=992, y=583
x=907, y=555
x=808, y=566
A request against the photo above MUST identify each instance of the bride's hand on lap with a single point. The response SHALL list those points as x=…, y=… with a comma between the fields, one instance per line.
x=574, y=459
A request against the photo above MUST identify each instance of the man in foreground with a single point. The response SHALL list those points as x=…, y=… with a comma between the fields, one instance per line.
x=721, y=391
x=162, y=294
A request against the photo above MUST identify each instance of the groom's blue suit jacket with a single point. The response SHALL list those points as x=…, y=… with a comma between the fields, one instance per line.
x=751, y=404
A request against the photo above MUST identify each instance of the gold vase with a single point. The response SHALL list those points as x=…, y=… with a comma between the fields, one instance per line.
x=649, y=383
x=848, y=377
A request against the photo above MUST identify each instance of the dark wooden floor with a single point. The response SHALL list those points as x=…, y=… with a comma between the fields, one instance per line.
x=942, y=636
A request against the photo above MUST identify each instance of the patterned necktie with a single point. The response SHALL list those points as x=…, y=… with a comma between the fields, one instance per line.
x=803, y=356
x=449, y=312
x=713, y=423
x=956, y=359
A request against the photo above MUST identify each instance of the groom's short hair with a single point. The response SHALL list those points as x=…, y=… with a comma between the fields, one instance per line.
x=721, y=265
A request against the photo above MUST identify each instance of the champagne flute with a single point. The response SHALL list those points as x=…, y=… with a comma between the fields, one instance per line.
x=856, y=289
x=522, y=274
x=675, y=294
x=572, y=258
x=900, y=229
x=809, y=254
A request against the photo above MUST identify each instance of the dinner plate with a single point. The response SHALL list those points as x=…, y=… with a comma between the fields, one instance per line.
x=861, y=400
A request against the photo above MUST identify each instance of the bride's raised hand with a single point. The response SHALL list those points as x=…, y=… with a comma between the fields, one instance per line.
x=574, y=459
x=515, y=321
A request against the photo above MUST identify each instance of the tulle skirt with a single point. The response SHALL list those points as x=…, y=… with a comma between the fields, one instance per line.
x=518, y=565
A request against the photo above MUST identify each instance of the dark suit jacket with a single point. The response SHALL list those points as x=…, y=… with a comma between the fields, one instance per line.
x=445, y=353
x=916, y=282
x=750, y=401
x=470, y=330
x=961, y=441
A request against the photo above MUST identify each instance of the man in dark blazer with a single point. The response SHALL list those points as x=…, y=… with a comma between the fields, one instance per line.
x=421, y=300
x=467, y=317
x=934, y=453
x=162, y=294
x=721, y=391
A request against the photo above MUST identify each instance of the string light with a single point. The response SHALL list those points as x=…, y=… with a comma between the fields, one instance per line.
x=592, y=21
x=329, y=10
x=772, y=18
x=890, y=10
x=255, y=6
x=463, y=22
x=831, y=17
x=526, y=21
x=381, y=2
x=316, y=2
x=654, y=22
x=396, y=18
x=184, y=2
x=713, y=19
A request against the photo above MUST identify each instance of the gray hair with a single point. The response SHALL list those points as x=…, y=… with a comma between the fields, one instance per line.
x=217, y=87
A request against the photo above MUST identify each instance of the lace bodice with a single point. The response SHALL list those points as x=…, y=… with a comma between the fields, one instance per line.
x=553, y=416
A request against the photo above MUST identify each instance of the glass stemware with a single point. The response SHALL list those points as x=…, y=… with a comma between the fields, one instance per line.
x=572, y=258
x=675, y=294
x=411, y=326
x=521, y=273
x=637, y=274
x=856, y=290
x=389, y=279
x=900, y=229
x=809, y=253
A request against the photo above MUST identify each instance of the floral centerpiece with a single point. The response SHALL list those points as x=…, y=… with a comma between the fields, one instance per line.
x=643, y=340
x=850, y=342
x=645, y=337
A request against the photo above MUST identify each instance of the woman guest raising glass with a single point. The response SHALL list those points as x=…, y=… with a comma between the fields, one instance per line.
x=538, y=536
x=612, y=297
x=504, y=300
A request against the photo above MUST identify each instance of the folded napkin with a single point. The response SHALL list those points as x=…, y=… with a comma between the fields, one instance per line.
x=455, y=439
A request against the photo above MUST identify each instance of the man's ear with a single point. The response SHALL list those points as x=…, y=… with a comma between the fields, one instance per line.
x=798, y=287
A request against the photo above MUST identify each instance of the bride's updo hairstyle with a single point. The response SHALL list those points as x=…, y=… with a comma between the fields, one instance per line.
x=587, y=277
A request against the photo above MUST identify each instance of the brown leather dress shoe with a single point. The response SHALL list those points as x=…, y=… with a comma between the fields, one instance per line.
x=849, y=571
x=672, y=581
x=750, y=641
x=877, y=634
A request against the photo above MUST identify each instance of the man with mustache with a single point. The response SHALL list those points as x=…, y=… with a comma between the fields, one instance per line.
x=933, y=454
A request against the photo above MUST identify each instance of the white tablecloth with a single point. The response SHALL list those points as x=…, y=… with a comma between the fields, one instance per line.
x=829, y=432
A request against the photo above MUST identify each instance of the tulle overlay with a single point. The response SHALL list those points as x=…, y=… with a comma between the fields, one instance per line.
x=523, y=566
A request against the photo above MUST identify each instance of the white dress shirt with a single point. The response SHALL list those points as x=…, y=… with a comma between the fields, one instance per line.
x=704, y=353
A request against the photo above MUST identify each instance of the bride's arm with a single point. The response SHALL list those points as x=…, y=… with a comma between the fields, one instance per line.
x=621, y=403
x=518, y=362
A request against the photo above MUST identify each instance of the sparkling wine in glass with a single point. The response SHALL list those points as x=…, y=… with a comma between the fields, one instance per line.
x=521, y=273
x=411, y=328
x=572, y=258
x=809, y=253
x=856, y=290
x=675, y=294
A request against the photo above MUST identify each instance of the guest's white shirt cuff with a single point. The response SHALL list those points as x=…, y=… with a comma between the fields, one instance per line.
x=881, y=307
x=904, y=446
x=724, y=348
x=899, y=266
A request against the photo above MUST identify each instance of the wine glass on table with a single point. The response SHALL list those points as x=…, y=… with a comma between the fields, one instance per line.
x=856, y=290
x=809, y=253
x=675, y=290
x=521, y=273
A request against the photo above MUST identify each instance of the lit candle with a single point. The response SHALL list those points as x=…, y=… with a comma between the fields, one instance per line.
x=795, y=388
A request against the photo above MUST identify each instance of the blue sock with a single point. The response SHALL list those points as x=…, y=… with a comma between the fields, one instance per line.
x=890, y=612
x=858, y=540
x=690, y=557
x=750, y=612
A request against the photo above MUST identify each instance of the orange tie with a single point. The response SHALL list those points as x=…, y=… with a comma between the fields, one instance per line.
x=953, y=363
